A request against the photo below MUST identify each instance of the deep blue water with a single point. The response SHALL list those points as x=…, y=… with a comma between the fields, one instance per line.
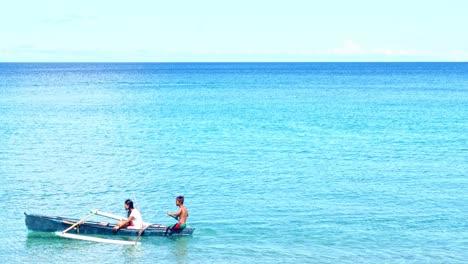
x=279, y=162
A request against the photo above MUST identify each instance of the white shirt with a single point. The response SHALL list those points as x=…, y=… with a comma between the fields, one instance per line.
x=137, y=221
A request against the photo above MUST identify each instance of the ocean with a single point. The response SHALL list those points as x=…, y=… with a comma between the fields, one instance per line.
x=278, y=162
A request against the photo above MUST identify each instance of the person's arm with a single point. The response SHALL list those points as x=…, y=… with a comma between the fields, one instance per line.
x=176, y=214
x=124, y=223
x=129, y=220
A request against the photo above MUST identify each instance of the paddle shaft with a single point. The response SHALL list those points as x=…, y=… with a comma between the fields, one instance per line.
x=136, y=204
x=114, y=216
x=175, y=217
x=117, y=217
x=141, y=233
x=79, y=222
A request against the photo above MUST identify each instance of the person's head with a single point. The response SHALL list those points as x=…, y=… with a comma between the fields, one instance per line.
x=179, y=200
x=128, y=204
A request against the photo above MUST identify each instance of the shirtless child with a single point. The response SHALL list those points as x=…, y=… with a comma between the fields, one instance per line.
x=181, y=215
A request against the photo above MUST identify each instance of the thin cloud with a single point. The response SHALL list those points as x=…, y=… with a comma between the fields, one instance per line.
x=459, y=55
x=353, y=49
x=68, y=19
x=349, y=48
x=399, y=52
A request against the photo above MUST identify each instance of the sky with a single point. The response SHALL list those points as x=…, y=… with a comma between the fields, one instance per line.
x=233, y=30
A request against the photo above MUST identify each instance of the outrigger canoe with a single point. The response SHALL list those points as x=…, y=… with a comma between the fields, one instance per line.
x=42, y=223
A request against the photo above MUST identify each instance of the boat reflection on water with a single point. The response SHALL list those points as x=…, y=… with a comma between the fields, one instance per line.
x=181, y=251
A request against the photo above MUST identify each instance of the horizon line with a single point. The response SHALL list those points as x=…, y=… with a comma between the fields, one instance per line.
x=266, y=62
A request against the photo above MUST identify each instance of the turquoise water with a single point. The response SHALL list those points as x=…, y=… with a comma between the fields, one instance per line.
x=279, y=163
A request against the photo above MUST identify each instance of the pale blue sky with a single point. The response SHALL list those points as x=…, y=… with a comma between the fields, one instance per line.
x=237, y=30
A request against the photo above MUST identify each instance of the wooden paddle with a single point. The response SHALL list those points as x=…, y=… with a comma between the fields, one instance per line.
x=113, y=216
x=79, y=222
x=141, y=232
x=175, y=217
x=169, y=226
